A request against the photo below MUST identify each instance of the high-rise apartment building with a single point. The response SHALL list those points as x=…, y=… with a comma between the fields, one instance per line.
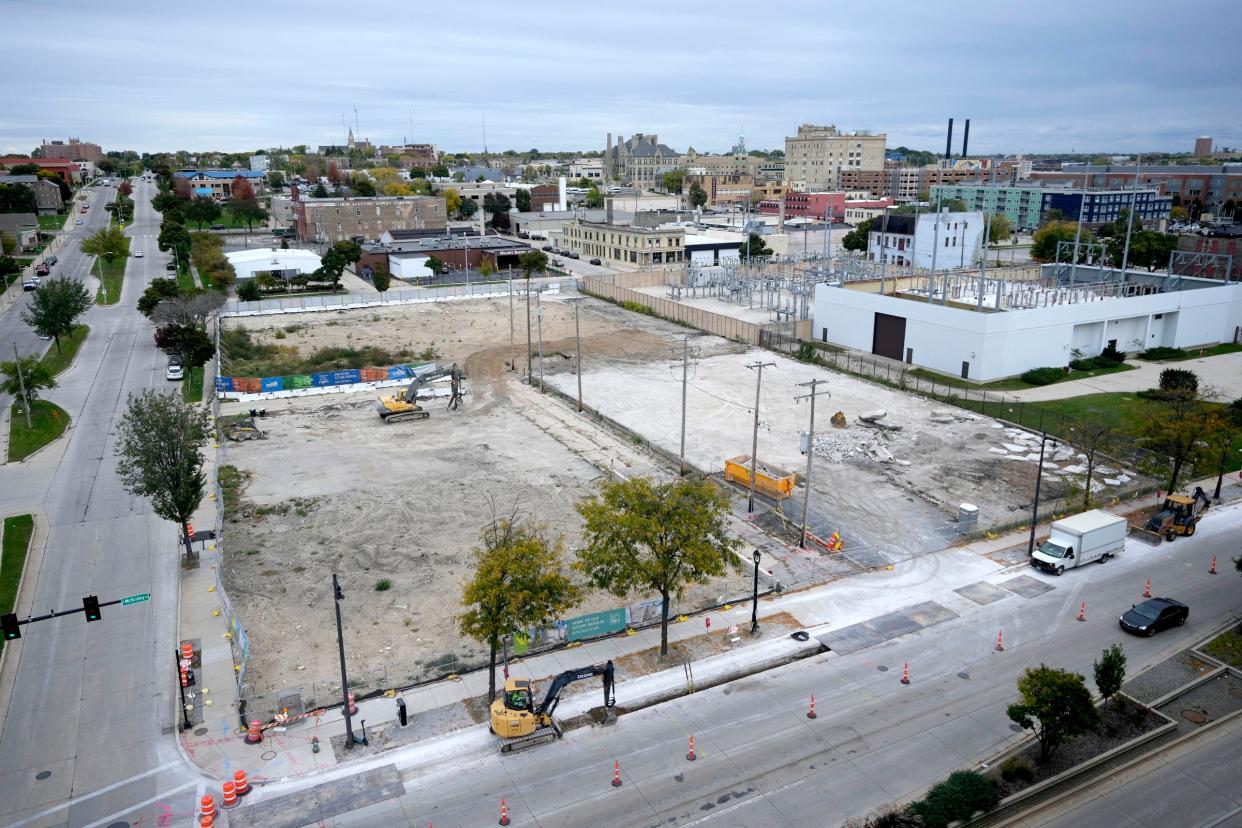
x=1203, y=146
x=817, y=155
x=74, y=150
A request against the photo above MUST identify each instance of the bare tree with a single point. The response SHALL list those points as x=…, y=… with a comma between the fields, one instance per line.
x=193, y=310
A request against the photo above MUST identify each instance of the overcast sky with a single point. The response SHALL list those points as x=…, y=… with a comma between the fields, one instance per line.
x=1052, y=76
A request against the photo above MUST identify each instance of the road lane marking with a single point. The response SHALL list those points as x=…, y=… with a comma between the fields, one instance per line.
x=113, y=818
x=122, y=783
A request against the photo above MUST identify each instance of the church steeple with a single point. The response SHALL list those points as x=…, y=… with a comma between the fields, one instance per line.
x=350, y=141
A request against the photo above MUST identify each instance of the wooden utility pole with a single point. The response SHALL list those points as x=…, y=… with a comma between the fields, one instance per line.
x=21, y=381
x=754, y=443
x=810, y=452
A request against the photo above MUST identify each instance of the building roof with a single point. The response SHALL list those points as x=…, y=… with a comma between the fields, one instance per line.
x=901, y=224
x=19, y=179
x=219, y=174
x=273, y=258
x=445, y=242
x=44, y=163
x=18, y=221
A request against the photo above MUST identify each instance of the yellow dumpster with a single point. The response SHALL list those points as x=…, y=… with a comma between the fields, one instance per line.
x=770, y=480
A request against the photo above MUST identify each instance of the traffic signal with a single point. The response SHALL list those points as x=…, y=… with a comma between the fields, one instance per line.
x=12, y=629
x=90, y=605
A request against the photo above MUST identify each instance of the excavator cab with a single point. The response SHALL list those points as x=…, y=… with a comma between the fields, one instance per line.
x=513, y=714
x=520, y=723
x=404, y=406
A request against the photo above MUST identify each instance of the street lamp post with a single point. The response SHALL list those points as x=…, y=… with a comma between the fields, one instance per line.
x=754, y=600
x=337, y=597
x=1039, y=476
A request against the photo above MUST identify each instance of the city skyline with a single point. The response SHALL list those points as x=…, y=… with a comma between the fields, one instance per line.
x=1030, y=83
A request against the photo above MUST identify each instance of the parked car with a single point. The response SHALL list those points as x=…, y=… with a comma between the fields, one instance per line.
x=41, y=269
x=596, y=262
x=170, y=266
x=31, y=284
x=50, y=261
x=217, y=227
x=174, y=370
x=571, y=254
x=138, y=254
x=557, y=263
x=77, y=221
x=1153, y=615
x=523, y=235
x=547, y=248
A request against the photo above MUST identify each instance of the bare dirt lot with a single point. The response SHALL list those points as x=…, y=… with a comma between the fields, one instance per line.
x=333, y=489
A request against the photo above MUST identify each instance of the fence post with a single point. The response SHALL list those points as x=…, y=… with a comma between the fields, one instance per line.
x=1041, y=420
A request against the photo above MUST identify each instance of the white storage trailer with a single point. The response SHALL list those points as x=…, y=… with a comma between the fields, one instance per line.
x=1080, y=539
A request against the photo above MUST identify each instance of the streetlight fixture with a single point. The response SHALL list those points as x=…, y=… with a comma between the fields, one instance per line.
x=337, y=597
x=754, y=600
x=1039, y=476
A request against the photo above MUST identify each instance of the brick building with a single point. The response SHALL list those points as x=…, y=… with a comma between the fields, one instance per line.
x=807, y=205
x=721, y=189
x=1213, y=187
x=329, y=220
x=817, y=156
x=73, y=150
x=623, y=245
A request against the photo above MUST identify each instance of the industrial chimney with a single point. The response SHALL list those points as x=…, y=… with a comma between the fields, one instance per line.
x=965, y=137
x=948, y=142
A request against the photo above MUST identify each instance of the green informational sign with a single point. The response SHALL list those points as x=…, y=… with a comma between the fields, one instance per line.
x=595, y=623
x=135, y=599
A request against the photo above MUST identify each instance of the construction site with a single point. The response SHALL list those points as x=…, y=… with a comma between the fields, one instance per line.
x=395, y=509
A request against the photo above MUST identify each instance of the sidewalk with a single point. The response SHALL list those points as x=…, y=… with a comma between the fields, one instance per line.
x=441, y=723
x=1223, y=371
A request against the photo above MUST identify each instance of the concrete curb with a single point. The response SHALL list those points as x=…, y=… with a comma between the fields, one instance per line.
x=34, y=557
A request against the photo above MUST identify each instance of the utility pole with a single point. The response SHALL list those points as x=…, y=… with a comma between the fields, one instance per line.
x=1125, y=256
x=577, y=350
x=810, y=452
x=754, y=443
x=512, y=350
x=1082, y=208
x=337, y=597
x=685, y=378
x=528, y=343
x=21, y=381
x=539, y=325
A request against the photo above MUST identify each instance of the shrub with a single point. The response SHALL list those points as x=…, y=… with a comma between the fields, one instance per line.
x=637, y=308
x=383, y=585
x=1179, y=381
x=1092, y=363
x=1111, y=354
x=1018, y=769
x=959, y=797
x=1161, y=352
x=1043, y=376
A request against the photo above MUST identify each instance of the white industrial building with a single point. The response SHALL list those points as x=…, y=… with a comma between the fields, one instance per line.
x=283, y=264
x=927, y=240
x=1008, y=327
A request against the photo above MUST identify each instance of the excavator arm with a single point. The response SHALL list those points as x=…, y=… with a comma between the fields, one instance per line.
x=553, y=697
x=411, y=391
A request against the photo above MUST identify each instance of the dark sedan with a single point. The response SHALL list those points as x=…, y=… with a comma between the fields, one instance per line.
x=1153, y=615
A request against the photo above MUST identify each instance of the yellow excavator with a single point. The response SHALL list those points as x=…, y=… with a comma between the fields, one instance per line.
x=404, y=406
x=521, y=724
x=1179, y=515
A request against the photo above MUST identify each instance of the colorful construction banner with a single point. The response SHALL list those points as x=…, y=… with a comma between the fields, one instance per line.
x=320, y=379
x=594, y=624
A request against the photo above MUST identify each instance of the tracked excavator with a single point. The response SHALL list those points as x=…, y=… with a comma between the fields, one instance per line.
x=404, y=406
x=521, y=724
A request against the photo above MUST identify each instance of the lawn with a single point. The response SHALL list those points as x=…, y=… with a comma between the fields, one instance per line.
x=1227, y=647
x=69, y=346
x=17, y=532
x=192, y=385
x=230, y=221
x=185, y=279
x=48, y=422
x=1014, y=383
x=1195, y=353
x=51, y=224
x=113, y=276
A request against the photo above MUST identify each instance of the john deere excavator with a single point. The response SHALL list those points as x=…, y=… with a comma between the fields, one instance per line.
x=1179, y=515
x=404, y=406
x=520, y=724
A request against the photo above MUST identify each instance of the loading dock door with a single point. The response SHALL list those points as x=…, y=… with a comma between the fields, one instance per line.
x=889, y=339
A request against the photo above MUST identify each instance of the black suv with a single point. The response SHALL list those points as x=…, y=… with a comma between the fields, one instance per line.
x=1153, y=615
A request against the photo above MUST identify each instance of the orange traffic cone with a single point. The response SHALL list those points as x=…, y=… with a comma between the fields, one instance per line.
x=504, y=812
x=1082, y=611
x=187, y=651
x=810, y=714
x=905, y=672
x=1212, y=568
x=353, y=706
x=616, y=773
x=240, y=784
x=691, y=755
x=254, y=734
x=1000, y=641
x=206, y=821
x=1147, y=589
x=230, y=794
x=208, y=806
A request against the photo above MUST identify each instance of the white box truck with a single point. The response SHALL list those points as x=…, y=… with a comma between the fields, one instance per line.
x=1081, y=539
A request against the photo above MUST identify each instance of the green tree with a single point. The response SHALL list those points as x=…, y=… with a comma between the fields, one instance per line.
x=191, y=343
x=34, y=373
x=176, y=237
x=467, y=209
x=380, y=277
x=55, y=307
x=202, y=210
x=957, y=799
x=8, y=244
x=1056, y=706
x=1044, y=243
x=248, y=291
x=159, y=445
x=108, y=242
x=641, y=537
x=436, y=265
x=320, y=191
x=336, y=259
x=275, y=180
x=532, y=261
x=1110, y=671
x=24, y=169
x=954, y=205
x=518, y=583
x=248, y=210
x=594, y=198
x=1178, y=425
x=521, y=200
x=156, y=292
x=1051, y=216
x=1151, y=249
x=673, y=180
x=754, y=248
x=17, y=198
x=362, y=185
x=1094, y=435
x=999, y=229
x=698, y=196
x=859, y=237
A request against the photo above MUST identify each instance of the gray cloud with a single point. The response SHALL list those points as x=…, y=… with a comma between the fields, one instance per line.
x=1057, y=76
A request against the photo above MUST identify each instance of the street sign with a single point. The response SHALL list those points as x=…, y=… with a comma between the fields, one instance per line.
x=135, y=599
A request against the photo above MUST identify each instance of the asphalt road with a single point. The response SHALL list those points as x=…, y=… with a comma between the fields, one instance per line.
x=87, y=730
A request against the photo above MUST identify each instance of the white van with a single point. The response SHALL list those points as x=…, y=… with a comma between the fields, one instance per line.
x=1074, y=541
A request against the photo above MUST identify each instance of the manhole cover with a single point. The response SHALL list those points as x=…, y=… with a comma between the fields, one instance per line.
x=963, y=675
x=1194, y=716
x=267, y=755
x=881, y=668
x=199, y=731
x=41, y=775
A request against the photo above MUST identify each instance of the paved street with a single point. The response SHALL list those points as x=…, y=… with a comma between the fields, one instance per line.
x=86, y=731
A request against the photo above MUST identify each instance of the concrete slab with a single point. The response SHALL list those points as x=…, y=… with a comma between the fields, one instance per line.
x=892, y=625
x=850, y=639
x=1026, y=586
x=981, y=592
x=928, y=613
x=321, y=802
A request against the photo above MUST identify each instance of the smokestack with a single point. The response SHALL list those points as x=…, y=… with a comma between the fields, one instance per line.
x=948, y=142
x=608, y=210
x=965, y=137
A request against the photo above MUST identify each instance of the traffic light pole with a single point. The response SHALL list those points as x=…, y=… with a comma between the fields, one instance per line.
x=90, y=607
